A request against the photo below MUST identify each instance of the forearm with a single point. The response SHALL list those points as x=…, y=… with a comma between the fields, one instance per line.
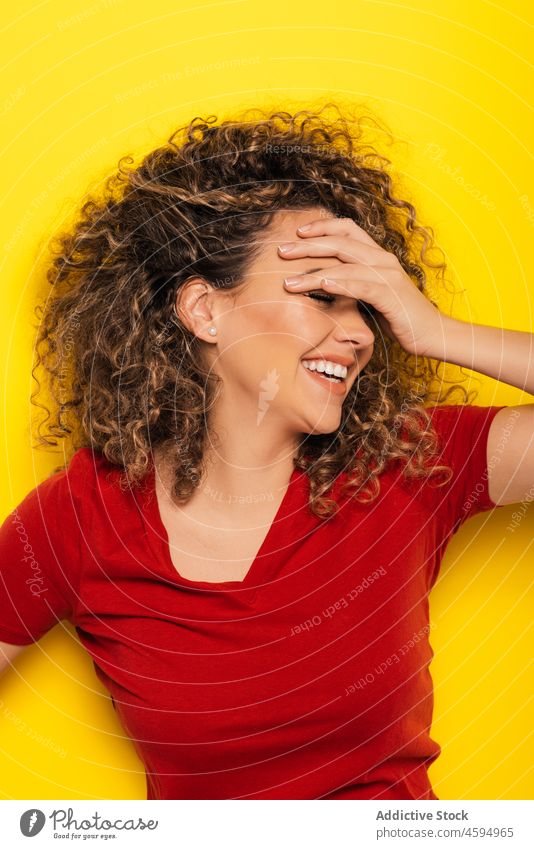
x=505, y=355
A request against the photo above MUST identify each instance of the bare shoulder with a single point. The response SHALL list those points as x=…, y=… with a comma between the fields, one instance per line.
x=510, y=455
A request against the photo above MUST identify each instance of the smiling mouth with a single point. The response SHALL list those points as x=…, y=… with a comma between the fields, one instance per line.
x=337, y=385
x=333, y=378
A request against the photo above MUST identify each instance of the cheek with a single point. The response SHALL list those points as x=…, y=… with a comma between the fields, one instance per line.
x=292, y=329
x=256, y=340
x=274, y=320
x=294, y=315
x=273, y=332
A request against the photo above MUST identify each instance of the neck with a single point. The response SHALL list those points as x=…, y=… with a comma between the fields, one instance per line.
x=245, y=471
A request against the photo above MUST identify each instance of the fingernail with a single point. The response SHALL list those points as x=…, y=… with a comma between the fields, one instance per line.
x=286, y=247
x=304, y=228
x=292, y=281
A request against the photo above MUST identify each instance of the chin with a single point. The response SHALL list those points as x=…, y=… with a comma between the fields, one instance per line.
x=328, y=424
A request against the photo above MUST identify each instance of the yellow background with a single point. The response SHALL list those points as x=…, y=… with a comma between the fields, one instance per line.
x=86, y=82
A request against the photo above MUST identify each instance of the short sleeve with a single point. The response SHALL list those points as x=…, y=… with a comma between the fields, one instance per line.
x=463, y=441
x=36, y=588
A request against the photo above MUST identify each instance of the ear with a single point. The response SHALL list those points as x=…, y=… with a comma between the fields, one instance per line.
x=193, y=307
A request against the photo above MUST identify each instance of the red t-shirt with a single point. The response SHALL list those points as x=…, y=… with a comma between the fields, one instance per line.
x=307, y=680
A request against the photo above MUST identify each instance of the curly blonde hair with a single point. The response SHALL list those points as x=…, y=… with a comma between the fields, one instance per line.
x=126, y=377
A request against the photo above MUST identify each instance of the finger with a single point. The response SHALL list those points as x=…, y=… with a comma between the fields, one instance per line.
x=370, y=274
x=346, y=250
x=333, y=225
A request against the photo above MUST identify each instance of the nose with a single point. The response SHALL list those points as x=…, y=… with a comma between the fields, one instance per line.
x=353, y=328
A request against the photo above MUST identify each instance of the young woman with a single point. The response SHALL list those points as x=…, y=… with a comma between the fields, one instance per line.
x=259, y=493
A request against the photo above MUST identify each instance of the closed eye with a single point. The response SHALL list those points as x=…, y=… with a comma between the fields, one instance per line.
x=320, y=296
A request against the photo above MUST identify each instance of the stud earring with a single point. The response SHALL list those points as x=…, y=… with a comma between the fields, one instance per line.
x=212, y=330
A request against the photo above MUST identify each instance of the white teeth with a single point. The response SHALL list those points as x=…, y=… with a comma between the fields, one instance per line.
x=326, y=366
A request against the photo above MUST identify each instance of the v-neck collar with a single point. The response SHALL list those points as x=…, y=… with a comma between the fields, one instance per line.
x=265, y=561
